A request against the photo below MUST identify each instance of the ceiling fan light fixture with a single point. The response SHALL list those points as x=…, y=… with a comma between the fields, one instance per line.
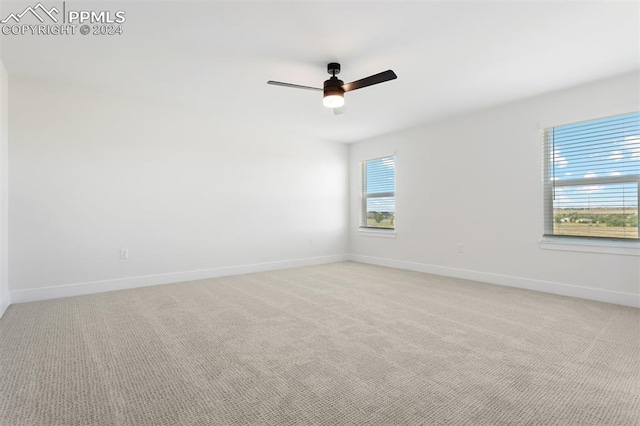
x=333, y=100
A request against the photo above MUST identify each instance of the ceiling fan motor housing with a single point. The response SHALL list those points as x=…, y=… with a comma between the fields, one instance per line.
x=333, y=86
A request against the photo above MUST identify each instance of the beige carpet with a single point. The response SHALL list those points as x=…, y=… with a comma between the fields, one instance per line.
x=335, y=344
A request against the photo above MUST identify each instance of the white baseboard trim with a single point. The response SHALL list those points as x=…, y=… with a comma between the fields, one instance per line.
x=79, y=289
x=607, y=296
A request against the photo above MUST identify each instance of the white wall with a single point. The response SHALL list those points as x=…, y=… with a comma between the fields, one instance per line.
x=476, y=180
x=187, y=195
x=4, y=138
x=191, y=197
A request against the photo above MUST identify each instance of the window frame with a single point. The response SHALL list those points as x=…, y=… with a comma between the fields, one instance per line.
x=363, y=229
x=583, y=243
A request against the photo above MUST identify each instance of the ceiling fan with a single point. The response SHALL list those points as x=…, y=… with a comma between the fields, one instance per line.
x=334, y=88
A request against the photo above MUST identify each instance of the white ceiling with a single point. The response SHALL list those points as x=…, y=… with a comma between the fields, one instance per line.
x=450, y=57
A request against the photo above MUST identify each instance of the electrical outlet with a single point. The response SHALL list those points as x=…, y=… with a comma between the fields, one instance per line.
x=460, y=248
x=124, y=253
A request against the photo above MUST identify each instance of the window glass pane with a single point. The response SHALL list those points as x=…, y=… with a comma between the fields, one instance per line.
x=380, y=175
x=592, y=174
x=381, y=212
x=378, y=193
x=596, y=148
x=598, y=210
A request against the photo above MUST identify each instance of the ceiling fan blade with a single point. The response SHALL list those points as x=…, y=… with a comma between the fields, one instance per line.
x=293, y=86
x=340, y=110
x=369, y=81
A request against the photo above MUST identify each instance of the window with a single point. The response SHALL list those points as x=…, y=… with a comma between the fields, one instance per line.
x=378, y=208
x=592, y=177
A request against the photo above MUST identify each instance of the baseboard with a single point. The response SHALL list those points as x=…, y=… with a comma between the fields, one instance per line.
x=79, y=289
x=607, y=296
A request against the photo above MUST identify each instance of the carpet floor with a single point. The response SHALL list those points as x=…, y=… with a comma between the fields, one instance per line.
x=336, y=344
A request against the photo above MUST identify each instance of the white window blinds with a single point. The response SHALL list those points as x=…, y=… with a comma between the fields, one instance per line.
x=592, y=177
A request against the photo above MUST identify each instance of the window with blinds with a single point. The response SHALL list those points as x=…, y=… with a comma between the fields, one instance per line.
x=592, y=178
x=378, y=182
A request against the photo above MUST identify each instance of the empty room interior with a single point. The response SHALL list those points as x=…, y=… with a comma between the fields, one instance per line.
x=319, y=213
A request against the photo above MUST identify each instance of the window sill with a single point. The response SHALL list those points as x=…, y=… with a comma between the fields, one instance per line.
x=380, y=233
x=628, y=248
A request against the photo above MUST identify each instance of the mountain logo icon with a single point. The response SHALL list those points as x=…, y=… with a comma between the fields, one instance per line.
x=38, y=11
